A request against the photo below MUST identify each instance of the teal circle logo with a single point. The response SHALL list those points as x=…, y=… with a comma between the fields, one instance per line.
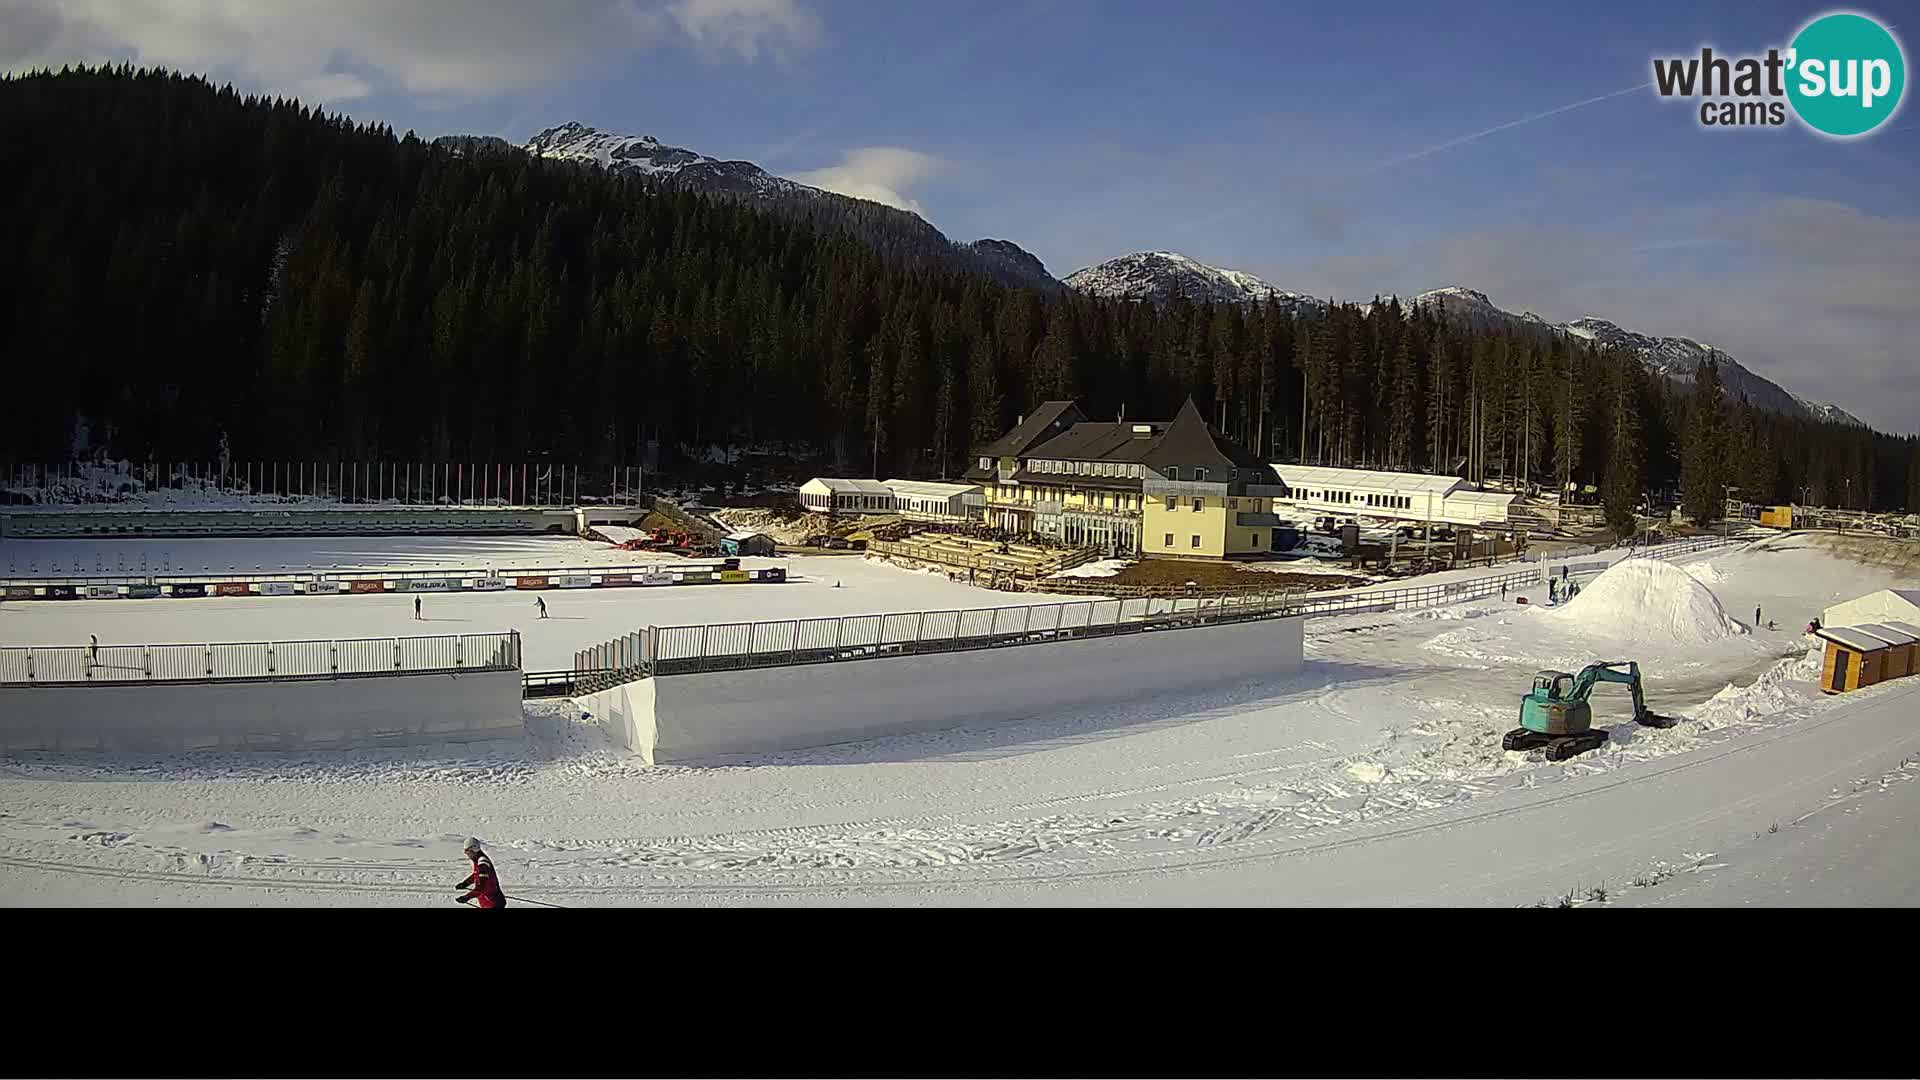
x=1846, y=75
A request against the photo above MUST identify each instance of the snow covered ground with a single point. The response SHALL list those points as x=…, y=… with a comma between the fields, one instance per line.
x=816, y=586
x=1374, y=777
x=28, y=558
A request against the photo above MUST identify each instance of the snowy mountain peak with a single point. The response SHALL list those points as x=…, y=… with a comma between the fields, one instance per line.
x=1677, y=358
x=1157, y=275
x=1459, y=291
x=642, y=154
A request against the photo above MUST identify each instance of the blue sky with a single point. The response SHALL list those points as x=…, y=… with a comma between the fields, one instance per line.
x=1333, y=149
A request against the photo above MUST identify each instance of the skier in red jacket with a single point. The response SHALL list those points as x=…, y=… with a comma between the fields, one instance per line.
x=484, y=882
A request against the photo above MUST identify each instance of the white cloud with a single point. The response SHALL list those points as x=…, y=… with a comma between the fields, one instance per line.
x=337, y=50
x=746, y=28
x=879, y=173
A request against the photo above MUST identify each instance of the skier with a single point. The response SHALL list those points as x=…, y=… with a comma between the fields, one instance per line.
x=416, y=607
x=1553, y=591
x=1756, y=616
x=484, y=882
x=541, y=603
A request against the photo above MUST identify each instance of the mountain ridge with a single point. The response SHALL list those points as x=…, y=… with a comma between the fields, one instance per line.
x=1156, y=275
x=900, y=234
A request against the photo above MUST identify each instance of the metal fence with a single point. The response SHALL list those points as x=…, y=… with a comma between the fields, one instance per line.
x=674, y=650
x=1673, y=549
x=251, y=660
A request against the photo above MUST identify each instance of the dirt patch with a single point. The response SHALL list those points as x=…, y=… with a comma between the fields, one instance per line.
x=791, y=524
x=1885, y=552
x=1218, y=576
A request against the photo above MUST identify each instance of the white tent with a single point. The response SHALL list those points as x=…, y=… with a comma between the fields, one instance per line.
x=1902, y=605
x=832, y=494
x=937, y=501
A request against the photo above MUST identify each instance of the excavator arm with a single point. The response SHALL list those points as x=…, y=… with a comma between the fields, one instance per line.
x=1613, y=671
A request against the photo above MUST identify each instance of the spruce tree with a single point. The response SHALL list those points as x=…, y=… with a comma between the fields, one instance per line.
x=1620, y=492
x=1703, y=455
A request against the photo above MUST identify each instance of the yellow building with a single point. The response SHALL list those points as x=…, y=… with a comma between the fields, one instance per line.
x=1173, y=488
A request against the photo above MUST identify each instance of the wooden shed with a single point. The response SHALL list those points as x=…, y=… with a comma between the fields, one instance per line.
x=1900, y=648
x=1854, y=659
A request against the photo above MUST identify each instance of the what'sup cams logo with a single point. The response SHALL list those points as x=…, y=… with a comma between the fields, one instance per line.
x=1843, y=75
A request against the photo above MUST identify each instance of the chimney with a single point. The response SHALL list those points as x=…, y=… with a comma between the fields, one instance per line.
x=1022, y=420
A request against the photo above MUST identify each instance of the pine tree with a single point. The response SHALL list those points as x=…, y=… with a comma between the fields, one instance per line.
x=1703, y=462
x=1620, y=492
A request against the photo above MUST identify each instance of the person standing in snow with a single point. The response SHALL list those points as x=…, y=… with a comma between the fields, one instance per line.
x=93, y=650
x=1756, y=616
x=484, y=882
x=416, y=607
x=540, y=602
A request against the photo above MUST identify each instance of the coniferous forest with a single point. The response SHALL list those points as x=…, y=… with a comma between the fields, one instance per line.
x=185, y=262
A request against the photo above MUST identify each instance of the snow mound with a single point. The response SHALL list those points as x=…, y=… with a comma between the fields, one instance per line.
x=1649, y=600
x=1101, y=568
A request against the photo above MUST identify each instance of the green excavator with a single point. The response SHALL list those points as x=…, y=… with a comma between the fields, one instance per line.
x=1555, y=714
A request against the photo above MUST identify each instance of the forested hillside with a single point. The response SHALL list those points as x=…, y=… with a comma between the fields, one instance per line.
x=184, y=261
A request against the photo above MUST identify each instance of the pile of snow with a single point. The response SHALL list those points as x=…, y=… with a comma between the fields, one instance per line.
x=1789, y=684
x=1304, y=566
x=1101, y=568
x=1649, y=600
x=620, y=534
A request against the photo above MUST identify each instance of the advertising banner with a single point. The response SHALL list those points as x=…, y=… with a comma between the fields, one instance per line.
x=19, y=592
x=143, y=592
x=488, y=584
x=573, y=581
x=734, y=575
x=429, y=585
x=233, y=588
x=529, y=583
x=694, y=577
x=276, y=588
x=103, y=592
x=60, y=592
x=366, y=586
x=190, y=590
x=772, y=573
x=656, y=579
x=616, y=579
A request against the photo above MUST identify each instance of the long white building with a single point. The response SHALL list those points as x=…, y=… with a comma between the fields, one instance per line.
x=922, y=499
x=1319, y=490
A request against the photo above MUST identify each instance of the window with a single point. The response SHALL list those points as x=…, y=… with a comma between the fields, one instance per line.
x=986, y=463
x=1233, y=504
x=1196, y=540
x=1172, y=505
x=1173, y=472
x=1199, y=474
x=1168, y=542
x=1198, y=502
x=1256, y=541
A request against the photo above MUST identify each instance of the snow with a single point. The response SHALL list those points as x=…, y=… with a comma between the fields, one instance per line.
x=1653, y=601
x=817, y=586
x=1380, y=761
x=1099, y=568
x=620, y=534
x=1155, y=275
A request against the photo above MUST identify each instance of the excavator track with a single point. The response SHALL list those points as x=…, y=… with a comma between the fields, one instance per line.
x=1557, y=747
